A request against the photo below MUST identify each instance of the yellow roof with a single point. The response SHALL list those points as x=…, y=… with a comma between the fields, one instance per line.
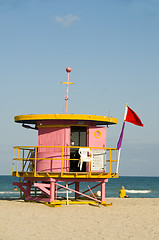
x=32, y=118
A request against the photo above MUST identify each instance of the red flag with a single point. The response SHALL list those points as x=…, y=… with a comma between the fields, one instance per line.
x=132, y=117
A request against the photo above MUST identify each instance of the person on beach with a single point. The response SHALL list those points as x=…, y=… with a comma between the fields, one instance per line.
x=122, y=193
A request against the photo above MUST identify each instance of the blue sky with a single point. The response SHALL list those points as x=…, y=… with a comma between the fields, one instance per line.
x=112, y=48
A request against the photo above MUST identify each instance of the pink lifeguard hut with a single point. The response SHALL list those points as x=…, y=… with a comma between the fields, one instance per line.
x=71, y=149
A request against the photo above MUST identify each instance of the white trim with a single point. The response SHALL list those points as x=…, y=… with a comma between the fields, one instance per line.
x=126, y=110
x=117, y=167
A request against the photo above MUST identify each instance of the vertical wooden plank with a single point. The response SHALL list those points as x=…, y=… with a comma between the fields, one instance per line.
x=35, y=162
x=17, y=161
x=13, y=160
x=110, y=161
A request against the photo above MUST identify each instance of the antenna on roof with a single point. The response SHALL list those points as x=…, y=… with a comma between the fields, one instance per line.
x=68, y=70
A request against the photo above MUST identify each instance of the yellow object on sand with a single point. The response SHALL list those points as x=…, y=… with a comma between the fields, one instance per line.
x=122, y=193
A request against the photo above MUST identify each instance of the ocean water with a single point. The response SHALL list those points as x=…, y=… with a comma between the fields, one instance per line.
x=136, y=187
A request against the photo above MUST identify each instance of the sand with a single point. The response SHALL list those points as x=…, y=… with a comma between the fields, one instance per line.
x=127, y=219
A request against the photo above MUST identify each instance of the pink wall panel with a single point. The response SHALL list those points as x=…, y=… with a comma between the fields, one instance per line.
x=53, y=137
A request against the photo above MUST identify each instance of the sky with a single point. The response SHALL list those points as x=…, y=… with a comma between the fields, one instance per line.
x=112, y=47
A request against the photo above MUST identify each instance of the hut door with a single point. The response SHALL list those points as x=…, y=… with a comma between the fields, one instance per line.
x=78, y=138
x=97, y=138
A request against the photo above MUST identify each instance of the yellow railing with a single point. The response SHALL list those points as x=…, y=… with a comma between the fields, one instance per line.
x=25, y=159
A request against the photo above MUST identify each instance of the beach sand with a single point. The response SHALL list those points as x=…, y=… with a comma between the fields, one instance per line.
x=127, y=219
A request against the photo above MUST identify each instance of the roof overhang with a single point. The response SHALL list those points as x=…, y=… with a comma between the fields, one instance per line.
x=33, y=118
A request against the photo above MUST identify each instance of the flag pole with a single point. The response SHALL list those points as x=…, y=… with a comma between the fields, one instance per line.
x=126, y=109
x=117, y=167
x=132, y=117
x=120, y=140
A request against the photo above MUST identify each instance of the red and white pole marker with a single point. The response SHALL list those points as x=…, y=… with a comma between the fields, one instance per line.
x=68, y=70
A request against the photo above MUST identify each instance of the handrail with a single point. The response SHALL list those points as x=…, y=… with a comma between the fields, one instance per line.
x=28, y=155
x=32, y=147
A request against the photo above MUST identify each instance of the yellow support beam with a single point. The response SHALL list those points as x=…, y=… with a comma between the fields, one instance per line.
x=67, y=175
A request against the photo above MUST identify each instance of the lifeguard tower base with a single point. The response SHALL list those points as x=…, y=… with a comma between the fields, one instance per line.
x=71, y=150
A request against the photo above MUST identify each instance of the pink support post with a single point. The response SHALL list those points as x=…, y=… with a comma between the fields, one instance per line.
x=103, y=191
x=56, y=193
x=52, y=190
x=92, y=187
x=43, y=187
x=67, y=188
x=28, y=187
x=21, y=186
x=77, y=189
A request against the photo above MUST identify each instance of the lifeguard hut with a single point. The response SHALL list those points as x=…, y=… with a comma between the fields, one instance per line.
x=71, y=149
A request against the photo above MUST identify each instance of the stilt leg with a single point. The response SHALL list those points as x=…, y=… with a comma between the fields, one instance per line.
x=103, y=192
x=67, y=202
x=28, y=187
x=52, y=190
x=77, y=189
